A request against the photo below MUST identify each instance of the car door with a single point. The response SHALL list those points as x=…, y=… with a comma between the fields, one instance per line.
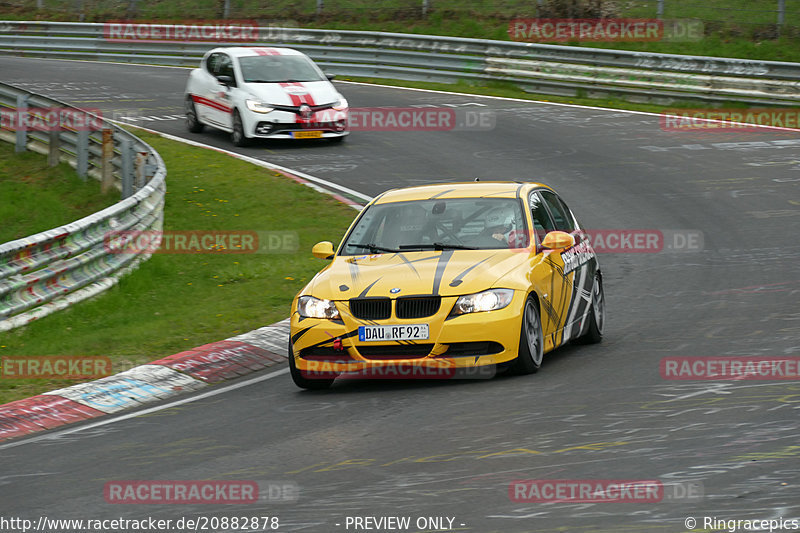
x=549, y=272
x=214, y=97
x=578, y=263
x=224, y=93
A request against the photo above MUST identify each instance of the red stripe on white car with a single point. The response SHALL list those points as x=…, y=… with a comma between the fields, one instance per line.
x=211, y=103
x=266, y=51
x=300, y=99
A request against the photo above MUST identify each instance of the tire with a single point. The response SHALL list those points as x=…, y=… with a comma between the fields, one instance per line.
x=597, y=314
x=531, y=340
x=193, y=124
x=237, y=135
x=302, y=381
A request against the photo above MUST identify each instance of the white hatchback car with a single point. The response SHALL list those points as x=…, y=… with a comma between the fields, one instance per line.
x=260, y=92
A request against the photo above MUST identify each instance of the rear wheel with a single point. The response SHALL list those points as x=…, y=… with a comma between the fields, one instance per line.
x=237, y=135
x=597, y=314
x=531, y=340
x=312, y=383
x=193, y=124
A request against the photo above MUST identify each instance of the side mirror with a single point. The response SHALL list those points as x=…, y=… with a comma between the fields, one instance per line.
x=225, y=80
x=330, y=76
x=558, y=240
x=323, y=250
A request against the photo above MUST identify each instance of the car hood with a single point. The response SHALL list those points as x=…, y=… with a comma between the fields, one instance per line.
x=446, y=273
x=311, y=93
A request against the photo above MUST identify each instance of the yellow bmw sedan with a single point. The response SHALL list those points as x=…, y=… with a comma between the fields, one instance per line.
x=444, y=280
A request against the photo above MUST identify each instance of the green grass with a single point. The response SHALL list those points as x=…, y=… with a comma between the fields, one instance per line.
x=37, y=198
x=174, y=302
x=733, y=28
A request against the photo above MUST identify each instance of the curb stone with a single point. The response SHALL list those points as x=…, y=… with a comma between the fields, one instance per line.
x=163, y=378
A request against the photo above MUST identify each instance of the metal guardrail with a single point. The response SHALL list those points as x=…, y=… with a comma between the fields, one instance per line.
x=51, y=270
x=549, y=69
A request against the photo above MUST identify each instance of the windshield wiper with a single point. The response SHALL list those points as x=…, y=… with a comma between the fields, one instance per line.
x=374, y=248
x=437, y=246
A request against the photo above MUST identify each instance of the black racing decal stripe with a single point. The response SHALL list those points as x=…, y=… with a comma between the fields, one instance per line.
x=347, y=335
x=440, y=267
x=437, y=195
x=547, y=305
x=584, y=305
x=300, y=333
x=407, y=262
x=458, y=279
x=365, y=291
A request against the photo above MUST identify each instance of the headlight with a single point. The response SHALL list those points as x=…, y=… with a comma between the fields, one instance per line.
x=258, y=107
x=341, y=105
x=310, y=307
x=490, y=300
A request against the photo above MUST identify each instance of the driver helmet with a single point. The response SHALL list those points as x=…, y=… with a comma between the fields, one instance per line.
x=500, y=217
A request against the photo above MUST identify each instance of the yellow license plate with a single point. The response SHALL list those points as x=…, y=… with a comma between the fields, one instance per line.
x=307, y=134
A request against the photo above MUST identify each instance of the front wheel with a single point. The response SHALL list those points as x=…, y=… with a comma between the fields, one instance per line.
x=531, y=341
x=237, y=135
x=304, y=382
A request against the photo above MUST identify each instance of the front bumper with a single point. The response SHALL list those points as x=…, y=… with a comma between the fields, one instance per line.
x=464, y=341
x=284, y=125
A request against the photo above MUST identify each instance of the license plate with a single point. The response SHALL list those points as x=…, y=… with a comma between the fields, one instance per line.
x=307, y=134
x=409, y=332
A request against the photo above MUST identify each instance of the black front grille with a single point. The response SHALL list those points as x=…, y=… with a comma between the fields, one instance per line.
x=371, y=308
x=266, y=128
x=471, y=349
x=296, y=108
x=396, y=351
x=321, y=353
x=417, y=306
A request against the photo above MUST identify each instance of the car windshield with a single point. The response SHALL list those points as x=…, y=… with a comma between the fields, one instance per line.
x=274, y=69
x=438, y=224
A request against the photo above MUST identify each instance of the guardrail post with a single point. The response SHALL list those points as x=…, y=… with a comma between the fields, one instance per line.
x=107, y=180
x=320, y=6
x=22, y=132
x=426, y=5
x=82, y=153
x=781, y=15
x=126, y=153
x=54, y=148
x=140, y=169
x=660, y=10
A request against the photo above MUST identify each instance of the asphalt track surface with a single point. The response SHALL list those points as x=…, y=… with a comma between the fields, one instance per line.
x=450, y=449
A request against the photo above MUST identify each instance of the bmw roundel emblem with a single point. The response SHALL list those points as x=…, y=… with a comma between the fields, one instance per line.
x=395, y=290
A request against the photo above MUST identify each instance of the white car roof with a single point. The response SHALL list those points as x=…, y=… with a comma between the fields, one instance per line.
x=245, y=51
